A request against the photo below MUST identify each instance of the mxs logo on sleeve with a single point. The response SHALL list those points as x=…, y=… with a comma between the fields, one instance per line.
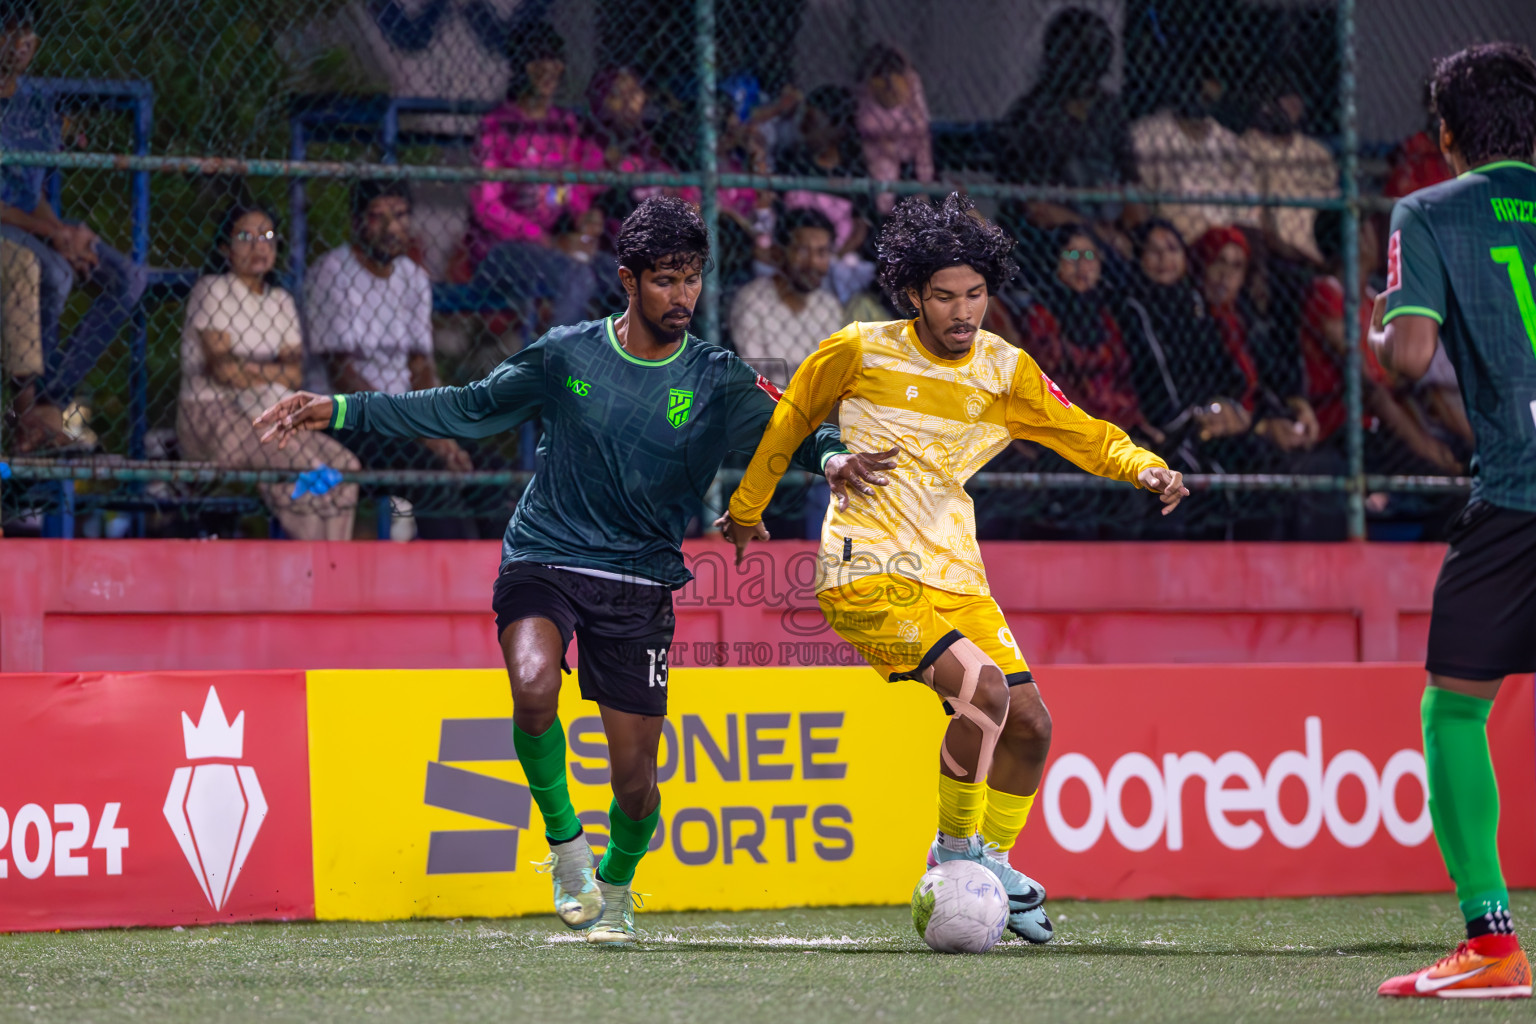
x=125, y=809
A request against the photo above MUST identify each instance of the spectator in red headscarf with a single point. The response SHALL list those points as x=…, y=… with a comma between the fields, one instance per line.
x=1272, y=389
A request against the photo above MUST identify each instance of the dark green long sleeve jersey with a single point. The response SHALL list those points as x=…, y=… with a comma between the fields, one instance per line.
x=629, y=445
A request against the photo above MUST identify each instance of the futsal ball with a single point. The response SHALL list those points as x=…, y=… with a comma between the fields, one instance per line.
x=959, y=907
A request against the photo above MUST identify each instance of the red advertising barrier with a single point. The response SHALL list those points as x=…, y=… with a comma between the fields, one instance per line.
x=184, y=798
x=149, y=606
x=156, y=799
x=1255, y=780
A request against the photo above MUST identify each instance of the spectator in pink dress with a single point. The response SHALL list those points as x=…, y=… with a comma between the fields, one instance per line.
x=617, y=103
x=893, y=120
x=537, y=241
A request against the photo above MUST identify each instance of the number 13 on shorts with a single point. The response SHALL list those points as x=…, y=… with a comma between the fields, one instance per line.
x=658, y=665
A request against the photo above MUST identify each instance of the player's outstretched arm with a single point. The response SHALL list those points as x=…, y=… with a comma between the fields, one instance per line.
x=1039, y=411
x=779, y=430
x=298, y=412
x=508, y=395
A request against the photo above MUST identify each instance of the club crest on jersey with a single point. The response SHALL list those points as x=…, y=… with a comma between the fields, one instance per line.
x=679, y=404
x=1056, y=392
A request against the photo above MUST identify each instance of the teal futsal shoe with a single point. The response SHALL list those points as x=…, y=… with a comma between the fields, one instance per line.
x=617, y=925
x=1026, y=898
x=578, y=902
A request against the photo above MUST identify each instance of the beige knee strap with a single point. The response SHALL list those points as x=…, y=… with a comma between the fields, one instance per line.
x=972, y=660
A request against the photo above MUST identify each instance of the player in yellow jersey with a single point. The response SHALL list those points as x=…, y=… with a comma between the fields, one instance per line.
x=900, y=576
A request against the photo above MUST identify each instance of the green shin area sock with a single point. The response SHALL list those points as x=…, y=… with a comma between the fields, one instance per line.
x=1464, y=802
x=628, y=840
x=543, y=759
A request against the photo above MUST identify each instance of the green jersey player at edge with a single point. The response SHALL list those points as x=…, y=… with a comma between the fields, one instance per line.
x=1459, y=264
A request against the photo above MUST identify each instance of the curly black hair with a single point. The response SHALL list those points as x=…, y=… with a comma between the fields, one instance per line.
x=920, y=239
x=1486, y=95
x=663, y=231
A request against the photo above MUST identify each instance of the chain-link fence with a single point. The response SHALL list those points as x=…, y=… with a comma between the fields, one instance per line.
x=210, y=205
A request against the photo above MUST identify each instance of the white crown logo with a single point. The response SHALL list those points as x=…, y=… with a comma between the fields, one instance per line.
x=215, y=810
x=214, y=735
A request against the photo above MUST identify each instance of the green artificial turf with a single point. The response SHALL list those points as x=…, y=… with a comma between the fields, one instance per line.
x=1159, y=960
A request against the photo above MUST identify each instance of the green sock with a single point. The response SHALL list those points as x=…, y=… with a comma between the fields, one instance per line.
x=628, y=840
x=543, y=758
x=1464, y=798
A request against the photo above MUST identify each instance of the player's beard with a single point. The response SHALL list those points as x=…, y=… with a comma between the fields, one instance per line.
x=664, y=334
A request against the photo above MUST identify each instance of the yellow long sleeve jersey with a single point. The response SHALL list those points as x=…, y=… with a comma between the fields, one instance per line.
x=947, y=419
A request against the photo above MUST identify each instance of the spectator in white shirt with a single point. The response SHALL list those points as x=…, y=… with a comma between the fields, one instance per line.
x=777, y=321
x=368, y=314
x=240, y=353
x=1184, y=150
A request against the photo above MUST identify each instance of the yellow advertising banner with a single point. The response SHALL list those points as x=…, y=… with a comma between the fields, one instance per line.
x=780, y=787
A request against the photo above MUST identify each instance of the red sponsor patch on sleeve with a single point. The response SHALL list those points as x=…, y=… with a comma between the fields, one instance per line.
x=1395, y=261
x=1056, y=392
x=768, y=386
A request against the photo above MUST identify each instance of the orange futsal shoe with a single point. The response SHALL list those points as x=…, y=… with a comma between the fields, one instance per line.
x=1478, y=969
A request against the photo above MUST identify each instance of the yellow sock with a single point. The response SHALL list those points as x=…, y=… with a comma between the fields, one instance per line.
x=1004, y=817
x=960, y=806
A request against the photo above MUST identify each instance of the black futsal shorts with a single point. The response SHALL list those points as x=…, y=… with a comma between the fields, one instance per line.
x=1484, y=622
x=623, y=629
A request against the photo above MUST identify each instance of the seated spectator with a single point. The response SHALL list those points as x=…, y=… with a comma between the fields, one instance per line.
x=1324, y=352
x=1068, y=130
x=1288, y=164
x=1184, y=380
x=830, y=148
x=21, y=337
x=1271, y=388
x=777, y=321
x=617, y=101
x=65, y=251
x=241, y=353
x=368, y=309
x=537, y=240
x=1184, y=150
x=742, y=150
x=1073, y=335
x=893, y=121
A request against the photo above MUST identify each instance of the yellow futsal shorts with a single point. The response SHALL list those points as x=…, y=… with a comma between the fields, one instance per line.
x=901, y=626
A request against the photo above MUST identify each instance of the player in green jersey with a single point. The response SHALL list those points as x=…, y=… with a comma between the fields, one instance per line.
x=1459, y=265
x=637, y=417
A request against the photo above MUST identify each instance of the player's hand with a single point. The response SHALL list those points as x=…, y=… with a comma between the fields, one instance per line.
x=740, y=535
x=861, y=470
x=449, y=453
x=1167, y=483
x=303, y=410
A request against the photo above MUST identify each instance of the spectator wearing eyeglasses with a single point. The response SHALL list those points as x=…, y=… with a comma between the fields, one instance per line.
x=67, y=251
x=242, y=351
x=1072, y=332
